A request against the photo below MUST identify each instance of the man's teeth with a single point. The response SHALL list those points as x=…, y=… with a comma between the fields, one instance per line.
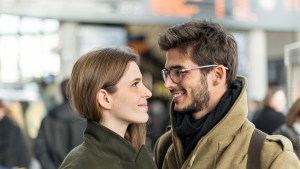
x=177, y=94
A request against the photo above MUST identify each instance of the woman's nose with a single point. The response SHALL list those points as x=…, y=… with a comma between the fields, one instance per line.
x=148, y=93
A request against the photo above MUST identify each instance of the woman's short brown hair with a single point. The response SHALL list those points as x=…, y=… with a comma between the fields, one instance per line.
x=101, y=69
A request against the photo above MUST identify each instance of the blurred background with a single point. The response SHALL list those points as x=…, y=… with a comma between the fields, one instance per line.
x=41, y=39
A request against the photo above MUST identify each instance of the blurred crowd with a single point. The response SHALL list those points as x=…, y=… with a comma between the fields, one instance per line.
x=24, y=144
x=272, y=116
x=60, y=129
x=39, y=135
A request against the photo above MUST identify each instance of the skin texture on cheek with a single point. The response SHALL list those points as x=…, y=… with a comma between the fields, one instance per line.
x=198, y=98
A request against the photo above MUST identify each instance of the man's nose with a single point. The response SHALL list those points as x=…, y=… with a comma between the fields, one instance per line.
x=169, y=83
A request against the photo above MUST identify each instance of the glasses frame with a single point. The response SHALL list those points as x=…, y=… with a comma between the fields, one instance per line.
x=165, y=72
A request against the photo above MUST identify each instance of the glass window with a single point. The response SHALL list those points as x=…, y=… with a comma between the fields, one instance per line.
x=27, y=48
x=9, y=24
x=9, y=58
x=30, y=25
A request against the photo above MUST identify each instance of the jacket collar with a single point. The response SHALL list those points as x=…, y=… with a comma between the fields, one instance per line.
x=234, y=119
x=110, y=143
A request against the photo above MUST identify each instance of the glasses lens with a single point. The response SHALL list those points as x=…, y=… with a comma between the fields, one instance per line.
x=164, y=73
x=175, y=75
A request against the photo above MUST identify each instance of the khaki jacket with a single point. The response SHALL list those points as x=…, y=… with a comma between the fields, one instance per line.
x=226, y=145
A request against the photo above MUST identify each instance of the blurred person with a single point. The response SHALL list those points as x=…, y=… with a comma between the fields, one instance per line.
x=61, y=130
x=270, y=117
x=106, y=88
x=253, y=106
x=14, y=150
x=209, y=125
x=48, y=91
x=291, y=128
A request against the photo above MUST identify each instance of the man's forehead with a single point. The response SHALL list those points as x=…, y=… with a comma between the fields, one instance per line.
x=178, y=61
x=178, y=53
x=185, y=51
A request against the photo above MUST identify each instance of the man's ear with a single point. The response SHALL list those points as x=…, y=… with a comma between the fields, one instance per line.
x=103, y=98
x=219, y=75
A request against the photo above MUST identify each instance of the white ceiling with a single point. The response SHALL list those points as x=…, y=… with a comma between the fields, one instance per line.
x=279, y=15
x=81, y=10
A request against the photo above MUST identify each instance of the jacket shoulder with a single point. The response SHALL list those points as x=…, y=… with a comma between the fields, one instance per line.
x=161, y=147
x=278, y=153
x=282, y=142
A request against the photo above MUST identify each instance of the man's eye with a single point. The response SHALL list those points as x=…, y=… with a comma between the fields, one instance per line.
x=178, y=72
x=183, y=71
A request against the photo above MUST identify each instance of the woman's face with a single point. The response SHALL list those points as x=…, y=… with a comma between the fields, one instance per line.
x=129, y=102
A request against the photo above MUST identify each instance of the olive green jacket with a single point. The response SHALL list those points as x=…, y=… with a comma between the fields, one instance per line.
x=226, y=145
x=104, y=149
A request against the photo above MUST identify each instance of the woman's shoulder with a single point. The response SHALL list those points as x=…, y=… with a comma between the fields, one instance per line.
x=82, y=157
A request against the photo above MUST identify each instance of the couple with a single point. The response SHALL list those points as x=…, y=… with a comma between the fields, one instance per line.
x=209, y=126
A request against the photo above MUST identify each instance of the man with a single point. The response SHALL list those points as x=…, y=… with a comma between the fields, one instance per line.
x=61, y=130
x=209, y=107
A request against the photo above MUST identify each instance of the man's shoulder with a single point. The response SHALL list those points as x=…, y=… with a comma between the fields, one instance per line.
x=278, y=150
x=166, y=136
x=164, y=141
x=278, y=142
x=161, y=147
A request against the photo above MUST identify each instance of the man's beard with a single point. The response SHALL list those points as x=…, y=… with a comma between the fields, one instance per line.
x=200, y=99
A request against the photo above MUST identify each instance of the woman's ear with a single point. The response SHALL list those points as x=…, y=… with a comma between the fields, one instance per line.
x=103, y=99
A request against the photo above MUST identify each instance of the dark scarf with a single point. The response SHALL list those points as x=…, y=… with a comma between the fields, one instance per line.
x=190, y=131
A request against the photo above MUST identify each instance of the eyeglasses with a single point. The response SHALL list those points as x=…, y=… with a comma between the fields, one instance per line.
x=176, y=74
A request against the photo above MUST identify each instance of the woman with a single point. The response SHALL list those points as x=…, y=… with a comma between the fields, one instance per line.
x=291, y=128
x=106, y=88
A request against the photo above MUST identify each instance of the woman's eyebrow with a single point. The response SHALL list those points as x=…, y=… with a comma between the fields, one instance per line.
x=136, y=79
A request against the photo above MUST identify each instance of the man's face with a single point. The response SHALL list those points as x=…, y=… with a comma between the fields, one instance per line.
x=191, y=94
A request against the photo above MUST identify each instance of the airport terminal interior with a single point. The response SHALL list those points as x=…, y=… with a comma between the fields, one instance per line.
x=41, y=39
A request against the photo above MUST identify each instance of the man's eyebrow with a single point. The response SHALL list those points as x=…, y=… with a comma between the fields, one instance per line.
x=175, y=67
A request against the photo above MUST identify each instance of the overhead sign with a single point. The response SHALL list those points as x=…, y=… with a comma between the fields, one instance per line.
x=246, y=14
x=266, y=14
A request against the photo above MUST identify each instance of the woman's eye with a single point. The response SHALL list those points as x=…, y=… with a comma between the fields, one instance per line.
x=135, y=83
